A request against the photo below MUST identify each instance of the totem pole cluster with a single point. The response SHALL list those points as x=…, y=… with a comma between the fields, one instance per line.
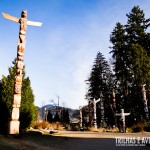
x=14, y=123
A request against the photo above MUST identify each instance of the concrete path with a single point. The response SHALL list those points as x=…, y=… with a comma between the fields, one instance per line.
x=104, y=141
x=67, y=140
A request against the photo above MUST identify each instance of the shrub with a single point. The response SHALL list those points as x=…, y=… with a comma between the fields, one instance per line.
x=73, y=127
x=57, y=126
x=40, y=125
x=147, y=126
x=139, y=127
x=46, y=125
x=129, y=130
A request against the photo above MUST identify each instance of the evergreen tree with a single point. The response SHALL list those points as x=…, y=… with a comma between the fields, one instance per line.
x=27, y=109
x=49, y=116
x=120, y=57
x=6, y=92
x=100, y=81
x=56, y=117
x=131, y=54
x=120, y=54
x=136, y=28
x=66, y=116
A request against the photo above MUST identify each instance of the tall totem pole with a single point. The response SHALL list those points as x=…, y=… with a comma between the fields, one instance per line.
x=94, y=112
x=80, y=119
x=145, y=102
x=15, y=123
x=114, y=107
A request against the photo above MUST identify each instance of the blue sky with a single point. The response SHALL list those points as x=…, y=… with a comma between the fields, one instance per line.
x=60, y=54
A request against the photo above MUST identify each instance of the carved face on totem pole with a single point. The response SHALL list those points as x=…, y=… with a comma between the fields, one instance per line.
x=24, y=14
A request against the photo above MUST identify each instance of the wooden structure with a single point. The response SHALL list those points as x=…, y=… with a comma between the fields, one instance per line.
x=123, y=115
x=80, y=119
x=145, y=102
x=94, y=111
x=114, y=107
x=14, y=123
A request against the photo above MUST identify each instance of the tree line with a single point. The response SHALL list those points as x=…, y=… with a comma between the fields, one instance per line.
x=127, y=72
x=61, y=115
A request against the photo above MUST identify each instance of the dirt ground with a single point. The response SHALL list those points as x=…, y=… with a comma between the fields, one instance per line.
x=68, y=141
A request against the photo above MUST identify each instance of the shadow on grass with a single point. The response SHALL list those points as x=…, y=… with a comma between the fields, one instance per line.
x=37, y=141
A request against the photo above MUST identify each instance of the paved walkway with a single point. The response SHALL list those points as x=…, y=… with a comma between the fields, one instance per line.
x=68, y=140
x=104, y=141
x=89, y=134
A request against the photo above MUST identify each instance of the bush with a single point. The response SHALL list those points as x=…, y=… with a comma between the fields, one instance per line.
x=73, y=127
x=40, y=125
x=139, y=127
x=57, y=126
x=46, y=125
x=147, y=126
x=129, y=130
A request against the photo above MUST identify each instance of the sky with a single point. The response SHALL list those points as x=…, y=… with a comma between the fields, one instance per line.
x=59, y=55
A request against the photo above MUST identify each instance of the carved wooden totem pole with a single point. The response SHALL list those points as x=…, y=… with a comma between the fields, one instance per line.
x=94, y=112
x=102, y=124
x=90, y=113
x=114, y=107
x=145, y=102
x=14, y=123
x=80, y=119
x=123, y=115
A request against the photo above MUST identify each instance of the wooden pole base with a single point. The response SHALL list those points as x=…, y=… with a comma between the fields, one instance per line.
x=14, y=127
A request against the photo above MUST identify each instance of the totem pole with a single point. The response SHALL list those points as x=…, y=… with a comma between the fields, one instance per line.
x=123, y=115
x=102, y=110
x=80, y=119
x=15, y=123
x=94, y=111
x=90, y=113
x=114, y=106
x=145, y=102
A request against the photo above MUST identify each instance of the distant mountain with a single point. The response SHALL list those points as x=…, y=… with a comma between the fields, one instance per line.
x=49, y=106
